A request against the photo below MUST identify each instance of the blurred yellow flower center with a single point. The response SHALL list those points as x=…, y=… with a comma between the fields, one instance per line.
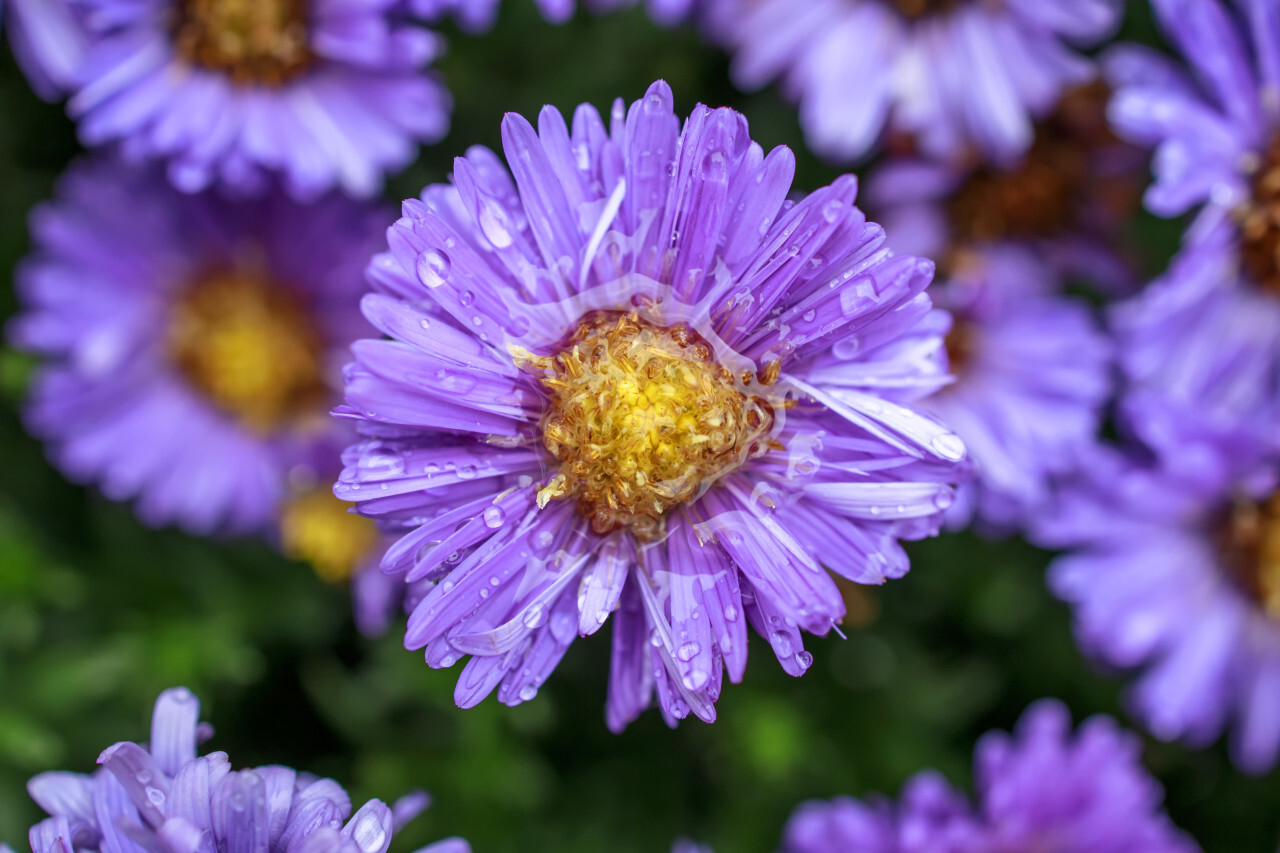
x=316, y=527
x=1260, y=223
x=253, y=41
x=643, y=419
x=920, y=8
x=1251, y=547
x=1042, y=194
x=249, y=345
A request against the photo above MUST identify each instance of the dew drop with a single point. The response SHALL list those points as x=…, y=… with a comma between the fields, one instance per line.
x=493, y=223
x=804, y=659
x=466, y=298
x=695, y=680
x=781, y=642
x=155, y=795
x=535, y=616
x=433, y=269
x=832, y=210
x=688, y=651
x=528, y=692
x=948, y=445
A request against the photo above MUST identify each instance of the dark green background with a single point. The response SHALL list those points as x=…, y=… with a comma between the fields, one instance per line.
x=98, y=613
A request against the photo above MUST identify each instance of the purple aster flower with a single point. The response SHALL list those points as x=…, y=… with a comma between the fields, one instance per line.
x=1198, y=349
x=47, y=41
x=1043, y=788
x=1066, y=197
x=631, y=377
x=1199, y=345
x=955, y=74
x=1032, y=373
x=326, y=94
x=479, y=15
x=1178, y=577
x=165, y=798
x=192, y=345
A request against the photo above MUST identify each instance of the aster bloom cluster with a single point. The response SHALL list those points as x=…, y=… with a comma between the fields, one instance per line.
x=953, y=74
x=1043, y=788
x=165, y=798
x=630, y=377
x=191, y=350
x=324, y=94
x=1174, y=569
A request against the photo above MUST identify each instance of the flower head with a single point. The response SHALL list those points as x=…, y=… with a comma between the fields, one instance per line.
x=1043, y=788
x=1032, y=373
x=191, y=344
x=955, y=74
x=47, y=41
x=324, y=94
x=1199, y=345
x=630, y=377
x=1176, y=574
x=1065, y=197
x=165, y=798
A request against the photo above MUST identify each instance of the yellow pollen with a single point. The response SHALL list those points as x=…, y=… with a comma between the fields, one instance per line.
x=642, y=419
x=248, y=344
x=1260, y=223
x=315, y=527
x=1251, y=548
x=254, y=41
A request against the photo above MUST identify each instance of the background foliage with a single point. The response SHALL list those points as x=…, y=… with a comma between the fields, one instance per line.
x=98, y=613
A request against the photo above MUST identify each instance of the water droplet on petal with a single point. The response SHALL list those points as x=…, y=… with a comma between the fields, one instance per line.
x=948, y=445
x=528, y=692
x=781, y=642
x=433, y=269
x=535, y=616
x=695, y=680
x=494, y=224
x=688, y=651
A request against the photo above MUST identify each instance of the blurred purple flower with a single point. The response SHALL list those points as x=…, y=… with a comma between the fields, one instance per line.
x=164, y=798
x=1044, y=788
x=192, y=345
x=47, y=41
x=1199, y=345
x=479, y=15
x=1032, y=374
x=1178, y=576
x=325, y=94
x=1198, y=350
x=1067, y=197
x=638, y=380
x=957, y=75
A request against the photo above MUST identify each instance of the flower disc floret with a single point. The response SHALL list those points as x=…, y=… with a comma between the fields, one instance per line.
x=252, y=41
x=643, y=419
x=249, y=344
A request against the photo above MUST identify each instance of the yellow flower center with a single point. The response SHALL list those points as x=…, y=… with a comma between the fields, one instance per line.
x=253, y=41
x=1260, y=223
x=315, y=527
x=1041, y=194
x=643, y=419
x=249, y=345
x=920, y=8
x=1251, y=547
